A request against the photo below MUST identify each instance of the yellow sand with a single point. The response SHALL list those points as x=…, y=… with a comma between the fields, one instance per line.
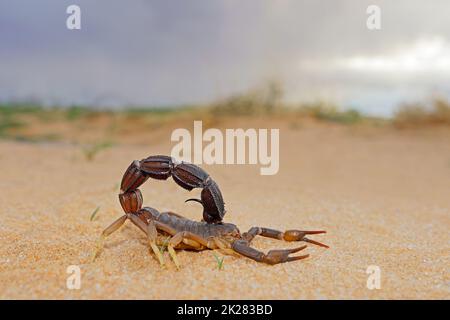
x=382, y=195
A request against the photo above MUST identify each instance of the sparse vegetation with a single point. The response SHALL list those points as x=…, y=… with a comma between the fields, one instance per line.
x=329, y=112
x=417, y=114
x=8, y=122
x=219, y=261
x=79, y=124
x=94, y=214
x=92, y=150
x=76, y=112
x=266, y=100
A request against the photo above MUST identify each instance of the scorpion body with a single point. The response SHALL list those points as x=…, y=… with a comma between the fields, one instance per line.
x=210, y=233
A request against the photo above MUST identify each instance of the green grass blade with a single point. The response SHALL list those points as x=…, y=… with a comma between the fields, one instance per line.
x=94, y=213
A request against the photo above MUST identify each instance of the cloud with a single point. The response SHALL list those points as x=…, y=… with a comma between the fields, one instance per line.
x=163, y=53
x=428, y=55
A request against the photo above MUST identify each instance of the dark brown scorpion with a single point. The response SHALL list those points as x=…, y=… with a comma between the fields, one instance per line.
x=210, y=233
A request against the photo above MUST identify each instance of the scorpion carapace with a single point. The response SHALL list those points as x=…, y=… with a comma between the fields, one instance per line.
x=210, y=233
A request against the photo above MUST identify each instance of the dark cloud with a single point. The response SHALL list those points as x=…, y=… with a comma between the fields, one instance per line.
x=174, y=52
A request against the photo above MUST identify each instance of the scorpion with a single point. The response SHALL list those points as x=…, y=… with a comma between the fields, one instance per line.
x=185, y=234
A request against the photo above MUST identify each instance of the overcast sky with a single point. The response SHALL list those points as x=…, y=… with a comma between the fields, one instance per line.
x=176, y=52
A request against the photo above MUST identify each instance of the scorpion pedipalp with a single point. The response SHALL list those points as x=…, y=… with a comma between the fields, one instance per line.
x=271, y=257
x=289, y=235
x=299, y=235
x=320, y=244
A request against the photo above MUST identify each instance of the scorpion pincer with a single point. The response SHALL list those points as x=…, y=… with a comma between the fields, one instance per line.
x=210, y=233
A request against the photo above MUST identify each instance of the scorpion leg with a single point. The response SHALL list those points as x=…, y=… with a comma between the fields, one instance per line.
x=113, y=227
x=188, y=238
x=152, y=235
x=272, y=257
x=289, y=235
x=131, y=202
x=138, y=222
x=223, y=247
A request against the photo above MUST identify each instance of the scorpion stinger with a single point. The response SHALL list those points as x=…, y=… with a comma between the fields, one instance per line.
x=195, y=200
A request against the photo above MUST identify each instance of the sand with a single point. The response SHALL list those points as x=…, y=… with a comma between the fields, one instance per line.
x=383, y=196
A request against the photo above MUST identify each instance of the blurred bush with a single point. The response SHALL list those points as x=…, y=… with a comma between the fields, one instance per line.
x=330, y=112
x=266, y=100
x=417, y=114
